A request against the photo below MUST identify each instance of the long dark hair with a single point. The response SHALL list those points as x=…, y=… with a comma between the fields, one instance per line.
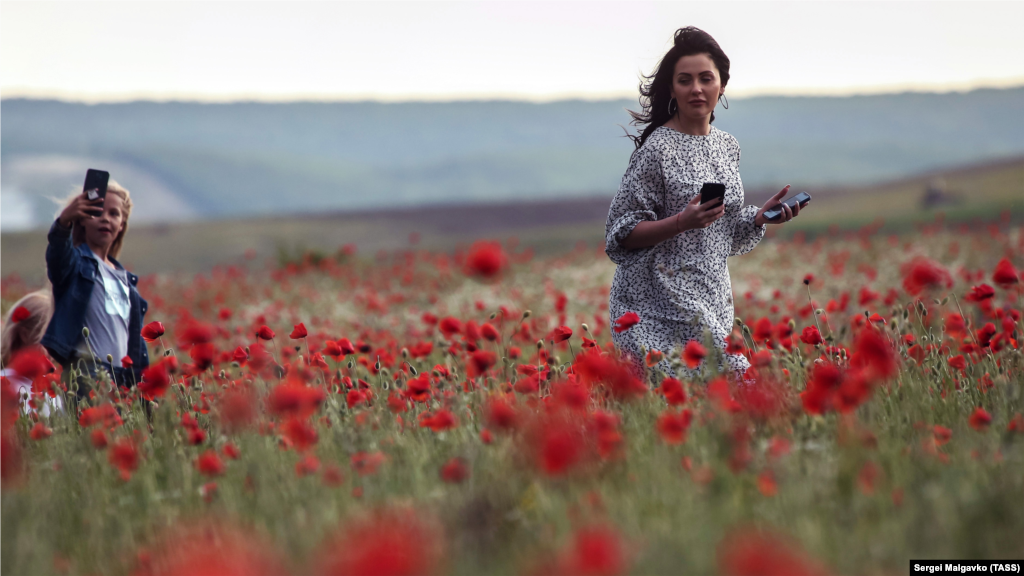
x=656, y=89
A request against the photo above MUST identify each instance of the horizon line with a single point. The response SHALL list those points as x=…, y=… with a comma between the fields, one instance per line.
x=142, y=96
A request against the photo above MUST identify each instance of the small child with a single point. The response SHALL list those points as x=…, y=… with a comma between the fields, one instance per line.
x=92, y=290
x=24, y=325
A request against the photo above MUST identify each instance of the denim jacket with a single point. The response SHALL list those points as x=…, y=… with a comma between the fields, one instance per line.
x=73, y=273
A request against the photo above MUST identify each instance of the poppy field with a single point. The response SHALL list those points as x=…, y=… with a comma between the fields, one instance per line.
x=416, y=412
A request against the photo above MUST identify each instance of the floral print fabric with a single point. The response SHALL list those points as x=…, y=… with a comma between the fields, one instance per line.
x=681, y=286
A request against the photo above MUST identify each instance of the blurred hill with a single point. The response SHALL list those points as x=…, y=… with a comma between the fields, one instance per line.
x=986, y=193
x=186, y=161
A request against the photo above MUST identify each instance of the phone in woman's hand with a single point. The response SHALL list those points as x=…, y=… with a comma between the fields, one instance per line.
x=802, y=199
x=712, y=191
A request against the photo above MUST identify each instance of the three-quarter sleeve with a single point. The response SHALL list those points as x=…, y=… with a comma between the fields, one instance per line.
x=641, y=197
x=745, y=235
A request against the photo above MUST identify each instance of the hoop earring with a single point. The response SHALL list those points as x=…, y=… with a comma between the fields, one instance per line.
x=726, y=104
x=670, y=103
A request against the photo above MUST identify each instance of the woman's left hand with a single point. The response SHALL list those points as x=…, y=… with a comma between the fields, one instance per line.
x=787, y=212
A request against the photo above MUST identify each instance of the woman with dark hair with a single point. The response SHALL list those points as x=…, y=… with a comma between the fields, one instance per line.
x=671, y=250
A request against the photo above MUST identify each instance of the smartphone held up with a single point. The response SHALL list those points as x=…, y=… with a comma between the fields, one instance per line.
x=95, y=187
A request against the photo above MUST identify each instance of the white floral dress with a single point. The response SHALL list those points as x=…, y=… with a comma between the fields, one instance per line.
x=681, y=286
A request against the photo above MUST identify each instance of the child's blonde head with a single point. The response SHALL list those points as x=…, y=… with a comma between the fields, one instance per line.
x=27, y=332
x=78, y=233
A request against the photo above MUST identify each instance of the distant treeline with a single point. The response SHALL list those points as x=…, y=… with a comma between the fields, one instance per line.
x=258, y=158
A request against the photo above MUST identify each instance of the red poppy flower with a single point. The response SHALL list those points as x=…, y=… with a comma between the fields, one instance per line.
x=203, y=355
x=762, y=330
x=124, y=456
x=489, y=332
x=653, y=358
x=439, y=421
x=672, y=426
x=921, y=274
x=561, y=334
x=389, y=542
x=105, y=413
x=300, y=434
x=673, y=391
x=694, y=353
x=625, y=322
x=766, y=483
x=231, y=451
x=811, y=336
x=309, y=464
x=479, y=362
x=265, y=333
x=455, y=471
x=155, y=381
x=98, y=438
x=873, y=352
x=749, y=551
x=152, y=331
x=195, y=333
x=958, y=362
x=485, y=259
x=31, y=363
x=295, y=400
x=332, y=349
x=449, y=326
x=941, y=434
x=20, y=313
x=298, y=332
x=561, y=447
x=980, y=419
x=209, y=464
x=40, y=432
x=346, y=346
x=501, y=414
x=418, y=389
x=615, y=376
x=356, y=397
x=1005, y=275
x=985, y=334
x=594, y=550
x=979, y=293
x=528, y=385
x=208, y=547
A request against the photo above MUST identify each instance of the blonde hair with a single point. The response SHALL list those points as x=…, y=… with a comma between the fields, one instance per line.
x=78, y=232
x=28, y=332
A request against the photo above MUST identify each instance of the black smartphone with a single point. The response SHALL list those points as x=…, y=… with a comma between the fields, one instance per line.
x=96, y=184
x=712, y=191
x=802, y=199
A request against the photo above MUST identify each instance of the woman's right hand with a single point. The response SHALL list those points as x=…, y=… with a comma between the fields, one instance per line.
x=79, y=208
x=697, y=215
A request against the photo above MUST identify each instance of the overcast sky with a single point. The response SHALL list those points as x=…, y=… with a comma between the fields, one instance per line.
x=106, y=51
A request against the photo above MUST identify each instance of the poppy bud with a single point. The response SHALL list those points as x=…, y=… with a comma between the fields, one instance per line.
x=236, y=365
x=350, y=364
x=526, y=314
x=85, y=331
x=807, y=280
x=792, y=324
x=221, y=375
x=739, y=321
x=376, y=365
x=494, y=315
x=413, y=370
x=405, y=352
x=540, y=344
x=167, y=352
x=110, y=358
x=585, y=327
